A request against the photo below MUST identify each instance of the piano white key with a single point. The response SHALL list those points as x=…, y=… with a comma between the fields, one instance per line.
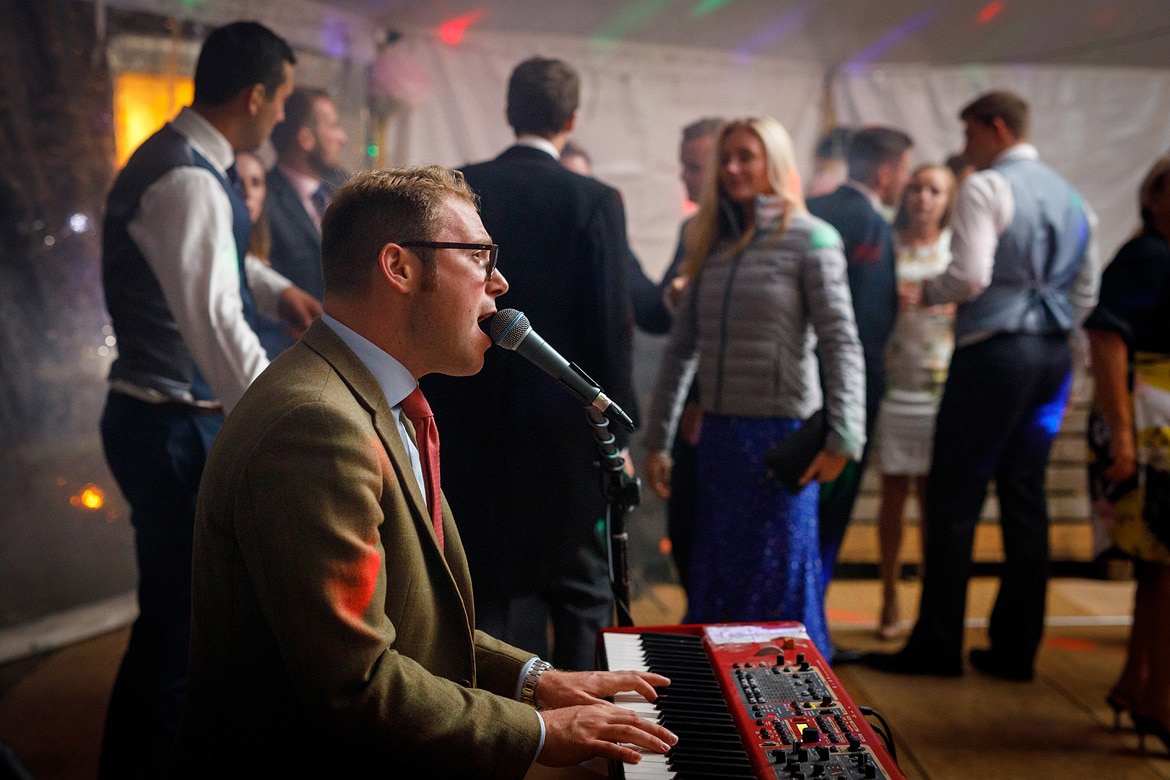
x=624, y=652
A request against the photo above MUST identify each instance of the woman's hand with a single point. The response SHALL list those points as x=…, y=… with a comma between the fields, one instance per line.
x=674, y=292
x=1124, y=454
x=909, y=294
x=826, y=467
x=658, y=465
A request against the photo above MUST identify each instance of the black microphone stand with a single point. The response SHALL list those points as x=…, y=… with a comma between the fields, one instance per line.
x=622, y=493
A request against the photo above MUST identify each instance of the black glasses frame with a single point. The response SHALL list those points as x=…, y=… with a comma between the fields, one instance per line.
x=492, y=249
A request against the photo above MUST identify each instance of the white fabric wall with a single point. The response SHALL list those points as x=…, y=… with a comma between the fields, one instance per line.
x=1101, y=128
x=635, y=101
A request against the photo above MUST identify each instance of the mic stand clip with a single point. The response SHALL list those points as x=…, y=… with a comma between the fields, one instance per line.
x=622, y=493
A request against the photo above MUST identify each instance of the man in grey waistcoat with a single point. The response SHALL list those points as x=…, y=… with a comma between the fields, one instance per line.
x=1024, y=275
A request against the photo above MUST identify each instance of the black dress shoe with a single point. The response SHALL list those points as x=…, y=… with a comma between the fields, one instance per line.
x=842, y=657
x=905, y=662
x=987, y=662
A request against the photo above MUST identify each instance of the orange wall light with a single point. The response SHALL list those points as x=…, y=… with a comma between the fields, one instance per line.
x=144, y=102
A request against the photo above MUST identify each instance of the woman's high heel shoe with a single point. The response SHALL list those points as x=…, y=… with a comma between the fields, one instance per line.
x=890, y=626
x=1118, y=704
x=1147, y=725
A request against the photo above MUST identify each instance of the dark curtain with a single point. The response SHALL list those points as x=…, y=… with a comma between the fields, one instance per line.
x=56, y=163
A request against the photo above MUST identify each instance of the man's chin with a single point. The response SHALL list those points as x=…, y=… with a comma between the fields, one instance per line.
x=470, y=367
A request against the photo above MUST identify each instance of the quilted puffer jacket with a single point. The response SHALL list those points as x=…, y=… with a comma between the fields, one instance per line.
x=750, y=332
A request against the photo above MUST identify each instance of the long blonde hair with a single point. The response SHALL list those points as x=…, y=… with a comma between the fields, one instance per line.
x=704, y=230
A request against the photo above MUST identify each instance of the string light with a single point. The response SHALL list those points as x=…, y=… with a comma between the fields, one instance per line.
x=989, y=11
x=451, y=31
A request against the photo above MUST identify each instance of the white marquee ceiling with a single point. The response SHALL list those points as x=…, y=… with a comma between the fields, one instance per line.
x=1134, y=33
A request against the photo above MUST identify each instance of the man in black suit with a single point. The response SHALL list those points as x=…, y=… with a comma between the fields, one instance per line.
x=878, y=159
x=518, y=452
x=308, y=145
x=696, y=155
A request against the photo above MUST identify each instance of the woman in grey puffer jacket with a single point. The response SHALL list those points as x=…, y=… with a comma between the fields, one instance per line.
x=768, y=295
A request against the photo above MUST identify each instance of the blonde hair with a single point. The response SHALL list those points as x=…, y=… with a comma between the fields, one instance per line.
x=706, y=228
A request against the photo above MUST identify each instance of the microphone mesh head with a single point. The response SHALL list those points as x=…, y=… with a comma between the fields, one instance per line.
x=509, y=327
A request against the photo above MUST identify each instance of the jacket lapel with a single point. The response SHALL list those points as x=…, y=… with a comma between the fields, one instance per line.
x=287, y=201
x=322, y=340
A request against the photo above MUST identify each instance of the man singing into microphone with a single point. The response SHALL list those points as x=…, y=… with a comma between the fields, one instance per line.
x=333, y=630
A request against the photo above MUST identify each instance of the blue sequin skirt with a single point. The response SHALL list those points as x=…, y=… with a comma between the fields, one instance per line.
x=756, y=552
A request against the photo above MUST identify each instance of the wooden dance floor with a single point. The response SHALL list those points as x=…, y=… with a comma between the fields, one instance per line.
x=51, y=707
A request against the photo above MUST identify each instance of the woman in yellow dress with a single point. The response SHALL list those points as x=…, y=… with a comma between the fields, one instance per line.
x=1129, y=340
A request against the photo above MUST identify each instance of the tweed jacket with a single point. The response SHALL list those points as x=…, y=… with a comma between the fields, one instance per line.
x=330, y=634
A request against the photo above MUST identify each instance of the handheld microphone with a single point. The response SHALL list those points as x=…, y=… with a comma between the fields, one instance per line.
x=511, y=330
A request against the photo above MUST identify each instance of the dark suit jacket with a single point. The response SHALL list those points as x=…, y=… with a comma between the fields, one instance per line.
x=650, y=312
x=296, y=241
x=330, y=635
x=517, y=448
x=869, y=252
x=295, y=252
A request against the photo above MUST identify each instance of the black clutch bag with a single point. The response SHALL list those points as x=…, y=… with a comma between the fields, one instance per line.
x=790, y=457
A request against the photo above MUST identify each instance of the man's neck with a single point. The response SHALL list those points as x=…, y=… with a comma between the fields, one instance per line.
x=300, y=164
x=226, y=121
x=557, y=141
x=868, y=191
x=1003, y=150
x=377, y=326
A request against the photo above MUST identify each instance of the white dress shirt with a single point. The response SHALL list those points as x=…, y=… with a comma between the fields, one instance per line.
x=984, y=208
x=536, y=142
x=183, y=227
x=395, y=380
x=869, y=194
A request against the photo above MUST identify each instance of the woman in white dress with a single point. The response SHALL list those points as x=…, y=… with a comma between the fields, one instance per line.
x=917, y=357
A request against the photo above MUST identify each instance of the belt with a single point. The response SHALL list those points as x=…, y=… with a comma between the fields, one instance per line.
x=152, y=397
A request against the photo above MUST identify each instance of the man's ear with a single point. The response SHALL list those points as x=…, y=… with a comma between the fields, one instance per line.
x=306, y=139
x=571, y=123
x=1002, y=134
x=399, y=269
x=881, y=176
x=257, y=94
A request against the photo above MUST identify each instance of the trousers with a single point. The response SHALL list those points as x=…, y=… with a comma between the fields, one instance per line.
x=1000, y=412
x=156, y=453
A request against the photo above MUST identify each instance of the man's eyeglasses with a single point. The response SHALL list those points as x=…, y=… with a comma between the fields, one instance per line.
x=493, y=251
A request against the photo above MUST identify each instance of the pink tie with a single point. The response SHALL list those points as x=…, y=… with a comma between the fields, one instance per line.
x=418, y=411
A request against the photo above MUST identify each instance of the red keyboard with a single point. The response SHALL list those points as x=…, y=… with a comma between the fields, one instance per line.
x=746, y=701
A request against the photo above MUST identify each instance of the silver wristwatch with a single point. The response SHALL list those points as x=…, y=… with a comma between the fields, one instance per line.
x=528, y=689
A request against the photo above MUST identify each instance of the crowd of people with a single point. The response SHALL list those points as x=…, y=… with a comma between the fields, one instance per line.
x=306, y=574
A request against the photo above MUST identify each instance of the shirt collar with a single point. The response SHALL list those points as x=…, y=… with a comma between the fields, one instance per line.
x=393, y=377
x=203, y=136
x=1020, y=151
x=870, y=195
x=304, y=184
x=536, y=142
